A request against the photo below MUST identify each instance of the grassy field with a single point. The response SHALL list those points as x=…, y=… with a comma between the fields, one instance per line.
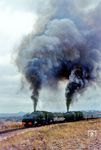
x=81, y=135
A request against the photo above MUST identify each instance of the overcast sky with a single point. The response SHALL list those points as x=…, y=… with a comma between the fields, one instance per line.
x=17, y=18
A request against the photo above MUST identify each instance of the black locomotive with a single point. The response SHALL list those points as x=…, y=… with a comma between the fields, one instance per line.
x=43, y=117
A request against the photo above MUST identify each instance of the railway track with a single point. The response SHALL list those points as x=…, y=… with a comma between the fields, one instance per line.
x=24, y=128
x=11, y=130
x=19, y=129
x=6, y=134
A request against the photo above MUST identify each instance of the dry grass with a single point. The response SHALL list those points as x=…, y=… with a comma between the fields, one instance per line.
x=5, y=125
x=67, y=136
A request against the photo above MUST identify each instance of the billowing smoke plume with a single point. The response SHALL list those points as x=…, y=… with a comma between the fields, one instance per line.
x=65, y=44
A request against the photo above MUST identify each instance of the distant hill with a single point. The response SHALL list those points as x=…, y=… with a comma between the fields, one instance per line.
x=12, y=114
x=92, y=114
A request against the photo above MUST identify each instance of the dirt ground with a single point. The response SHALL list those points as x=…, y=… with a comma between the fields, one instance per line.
x=81, y=135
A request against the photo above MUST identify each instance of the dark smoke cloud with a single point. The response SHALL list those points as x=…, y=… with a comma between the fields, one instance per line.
x=65, y=44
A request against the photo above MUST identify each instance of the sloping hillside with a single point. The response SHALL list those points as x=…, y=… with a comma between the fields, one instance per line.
x=82, y=135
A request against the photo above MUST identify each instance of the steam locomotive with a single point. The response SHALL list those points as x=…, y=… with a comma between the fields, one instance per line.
x=43, y=117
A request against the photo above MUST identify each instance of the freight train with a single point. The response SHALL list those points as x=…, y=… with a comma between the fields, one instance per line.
x=43, y=117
